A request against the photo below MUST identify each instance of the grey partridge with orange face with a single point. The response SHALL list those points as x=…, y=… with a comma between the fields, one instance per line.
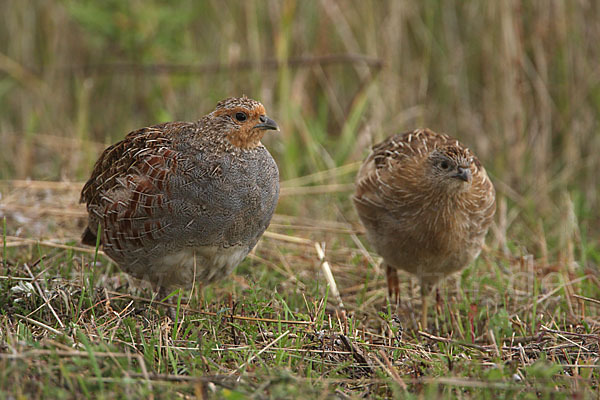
x=426, y=203
x=185, y=202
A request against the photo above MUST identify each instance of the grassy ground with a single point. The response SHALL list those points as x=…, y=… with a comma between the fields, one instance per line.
x=517, y=81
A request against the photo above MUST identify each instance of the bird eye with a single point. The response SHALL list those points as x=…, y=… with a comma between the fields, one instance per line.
x=444, y=165
x=241, y=116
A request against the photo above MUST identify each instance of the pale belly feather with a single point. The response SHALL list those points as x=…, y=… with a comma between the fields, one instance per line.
x=203, y=264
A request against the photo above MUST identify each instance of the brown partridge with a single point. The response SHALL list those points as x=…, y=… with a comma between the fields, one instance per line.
x=426, y=203
x=185, y=202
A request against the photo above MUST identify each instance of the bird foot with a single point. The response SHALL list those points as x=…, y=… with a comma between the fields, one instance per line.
x=393, y=284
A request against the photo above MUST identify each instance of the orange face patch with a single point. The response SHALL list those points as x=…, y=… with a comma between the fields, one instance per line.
x=246, y=137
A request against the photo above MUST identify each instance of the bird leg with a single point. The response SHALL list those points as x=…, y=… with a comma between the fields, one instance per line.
x=393, y=284
x=424, y=304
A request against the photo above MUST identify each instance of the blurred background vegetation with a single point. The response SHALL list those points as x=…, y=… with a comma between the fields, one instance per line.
x=517, y=81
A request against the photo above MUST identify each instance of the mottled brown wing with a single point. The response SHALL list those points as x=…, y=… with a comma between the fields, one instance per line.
x=128, y=182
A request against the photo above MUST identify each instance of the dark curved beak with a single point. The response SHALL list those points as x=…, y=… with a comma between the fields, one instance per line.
x=463, y=174
x=266, y=123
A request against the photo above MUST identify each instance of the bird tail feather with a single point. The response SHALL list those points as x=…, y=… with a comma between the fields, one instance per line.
x=89, y=237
